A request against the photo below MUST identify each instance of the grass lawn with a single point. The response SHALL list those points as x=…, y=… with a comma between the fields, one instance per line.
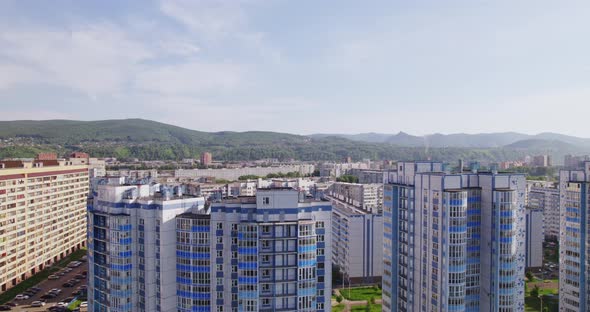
x=363, y=293
x=39, y=277
x=545, y=288
x=374, y=308
x=338, y=308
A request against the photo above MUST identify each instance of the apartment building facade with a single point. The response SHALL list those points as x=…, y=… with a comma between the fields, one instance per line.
x=153, y=252
x=357, y=244
x=544, y=196
x=453, y=242
x=131, y=243
x=42, y=215
x=574, y=189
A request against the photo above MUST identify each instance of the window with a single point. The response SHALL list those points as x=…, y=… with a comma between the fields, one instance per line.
x=266, y=200
x=220, y=267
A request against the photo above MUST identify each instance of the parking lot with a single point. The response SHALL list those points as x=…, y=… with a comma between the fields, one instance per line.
x=47, y=285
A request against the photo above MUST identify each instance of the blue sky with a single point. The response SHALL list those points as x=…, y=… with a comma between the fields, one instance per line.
x=301, y=66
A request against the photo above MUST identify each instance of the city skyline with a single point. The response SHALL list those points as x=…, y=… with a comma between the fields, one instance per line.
x=256, y=65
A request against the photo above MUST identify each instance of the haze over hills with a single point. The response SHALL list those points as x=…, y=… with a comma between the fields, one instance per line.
x=481, y=140
x=150, y=140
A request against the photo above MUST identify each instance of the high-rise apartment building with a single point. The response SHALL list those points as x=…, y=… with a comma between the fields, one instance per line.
x=42, y=215
x=357, y=243
x=544, y=196
x=574, y=189
x=574, y=162
x=132, y=246
x=153, y=250
x=206, y=159
x=453, y=242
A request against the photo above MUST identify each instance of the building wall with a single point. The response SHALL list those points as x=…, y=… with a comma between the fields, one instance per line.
x=546, y=198
x=42, y=218
x=574, y=188
x=534, y=238
x=357, y=244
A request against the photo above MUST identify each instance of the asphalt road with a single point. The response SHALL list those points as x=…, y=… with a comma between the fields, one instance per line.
x=47, y=285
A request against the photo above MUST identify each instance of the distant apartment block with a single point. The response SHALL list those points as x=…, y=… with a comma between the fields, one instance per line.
x=368, y=197
x=574, y=190
x=545, y=197
x=541, y=161
x=534, y=238
x=206, y=159
x=368, y=176
x=234, y=174
x=42, y=214
x=574, y=162
x=248, y=188
x=357, y=243
x=453, y=241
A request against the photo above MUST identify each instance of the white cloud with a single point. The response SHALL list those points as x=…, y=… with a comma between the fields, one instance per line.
x=93, y=59
x=189, y=78
x=12, y=75
x=211, y=19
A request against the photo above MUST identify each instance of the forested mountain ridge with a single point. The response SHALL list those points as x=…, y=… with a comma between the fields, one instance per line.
x=150, y=140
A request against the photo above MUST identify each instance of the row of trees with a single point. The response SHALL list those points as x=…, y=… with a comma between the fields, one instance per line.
x=314, y=150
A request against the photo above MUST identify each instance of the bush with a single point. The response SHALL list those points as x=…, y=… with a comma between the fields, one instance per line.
x=372, y=300
x=338, y=298
x=535, y=291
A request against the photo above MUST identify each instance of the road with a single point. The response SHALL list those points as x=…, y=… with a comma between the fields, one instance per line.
x=24, y=305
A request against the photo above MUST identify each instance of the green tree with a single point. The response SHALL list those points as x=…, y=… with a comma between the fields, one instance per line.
x=338, y=298
x=535, y=291
x=529, y=276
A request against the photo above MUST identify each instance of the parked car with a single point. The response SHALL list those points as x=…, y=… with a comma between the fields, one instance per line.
x=12, y=304
x=84, y=304
x=5, y=308
x=37, y=303
x=57, y=309
x=21, y=297
x=68, y=284
x=68, y=270
x=84, y=273
x=52, y=277
x=49, y=296
x=80, y=276
x=62, y=273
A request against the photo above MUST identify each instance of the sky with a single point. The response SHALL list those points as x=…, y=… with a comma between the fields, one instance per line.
x=301, y=66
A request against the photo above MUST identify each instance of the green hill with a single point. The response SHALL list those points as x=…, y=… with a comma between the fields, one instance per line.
x=150, y=140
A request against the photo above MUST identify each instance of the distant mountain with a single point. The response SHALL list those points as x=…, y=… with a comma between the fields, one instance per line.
x=131, y=130
x=364, y=137
x=150, y=140
x=539, y=144
x=482, y=140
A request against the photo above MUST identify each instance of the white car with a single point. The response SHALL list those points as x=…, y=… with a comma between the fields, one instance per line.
x=21, y=297
x=37, y=304
x=62, y=304
x=83, y=304
x=52, y=277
